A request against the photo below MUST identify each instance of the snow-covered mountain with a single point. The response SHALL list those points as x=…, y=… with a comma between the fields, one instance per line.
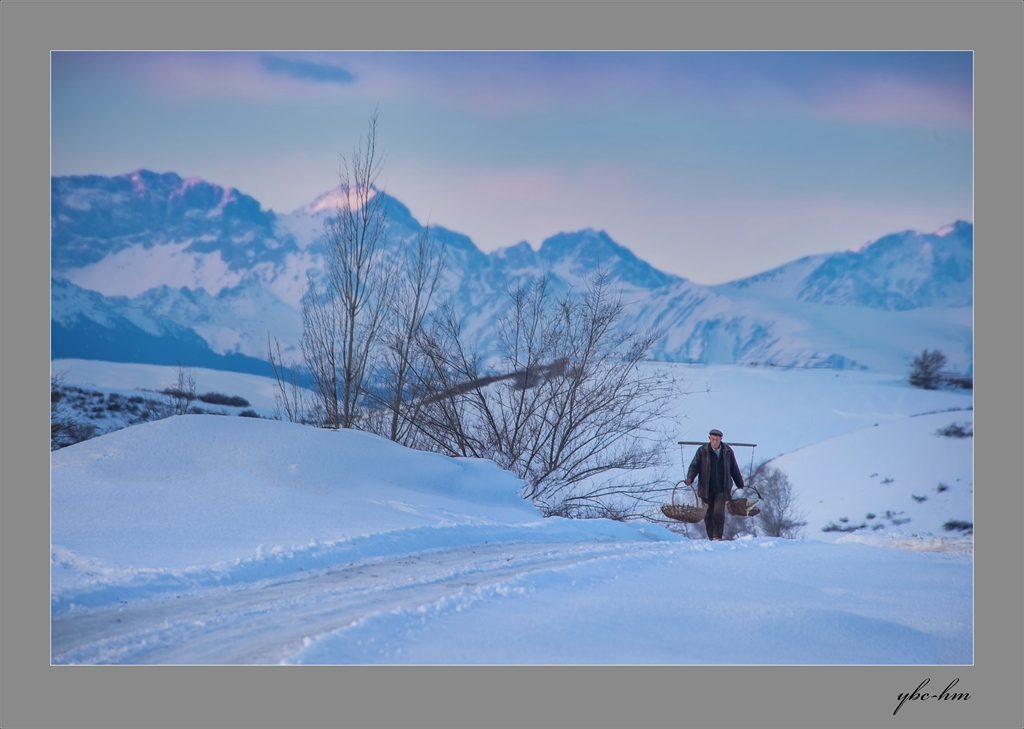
x=93, y=217
x=158, y=267
x=89, y=325
x=899, y=272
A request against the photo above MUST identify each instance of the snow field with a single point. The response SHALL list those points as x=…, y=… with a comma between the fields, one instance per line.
x=205, y=539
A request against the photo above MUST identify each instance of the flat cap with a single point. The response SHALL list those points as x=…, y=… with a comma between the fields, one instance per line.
x=716, y=431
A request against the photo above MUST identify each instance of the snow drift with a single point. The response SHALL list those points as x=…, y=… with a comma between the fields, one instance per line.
x=207, y=539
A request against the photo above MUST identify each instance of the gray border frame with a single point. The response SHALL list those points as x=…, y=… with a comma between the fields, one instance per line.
x=35, y=694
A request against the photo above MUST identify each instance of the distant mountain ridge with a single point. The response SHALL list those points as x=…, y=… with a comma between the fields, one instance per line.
x=898, y=272
x=193, y=262
x=93, y=216
x=87, y=325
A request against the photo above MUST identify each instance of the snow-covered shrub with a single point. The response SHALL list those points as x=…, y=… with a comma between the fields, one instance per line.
x=966, y=527
x=65, y=428
x=216, y=398
x=956, y=430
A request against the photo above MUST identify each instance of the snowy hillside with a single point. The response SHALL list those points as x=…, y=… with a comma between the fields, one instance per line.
x=200, y=261
x=211, y=539
x=909, y=475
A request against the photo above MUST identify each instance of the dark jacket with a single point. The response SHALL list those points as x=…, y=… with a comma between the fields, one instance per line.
x=701, y=466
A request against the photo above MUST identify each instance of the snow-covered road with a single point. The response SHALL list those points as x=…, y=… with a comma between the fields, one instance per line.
x=269, y=621
x=782, y=602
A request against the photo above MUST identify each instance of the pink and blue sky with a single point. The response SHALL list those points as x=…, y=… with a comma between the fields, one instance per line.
x=709, y=165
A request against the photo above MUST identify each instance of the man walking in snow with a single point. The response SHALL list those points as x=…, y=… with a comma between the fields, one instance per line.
x=715, y=466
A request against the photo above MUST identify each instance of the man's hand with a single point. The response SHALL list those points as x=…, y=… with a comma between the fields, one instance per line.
x=688, y=481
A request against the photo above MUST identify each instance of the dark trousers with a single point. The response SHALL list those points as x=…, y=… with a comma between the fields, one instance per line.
x=714, y=519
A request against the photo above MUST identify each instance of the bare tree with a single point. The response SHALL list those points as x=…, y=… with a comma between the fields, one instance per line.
x=926, y=370
x=410, y=303
x=289, y=395
x=342, y=323
x=779, y=514
x=570, y=411
x=181, y=395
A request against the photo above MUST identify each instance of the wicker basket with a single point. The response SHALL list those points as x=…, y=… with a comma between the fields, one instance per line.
x=744, y=506
x=684, y=512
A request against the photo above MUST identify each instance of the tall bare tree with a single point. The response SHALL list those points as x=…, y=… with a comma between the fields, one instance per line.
x=343, y=320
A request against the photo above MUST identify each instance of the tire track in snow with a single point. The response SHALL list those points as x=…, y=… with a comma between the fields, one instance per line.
x=268, y=621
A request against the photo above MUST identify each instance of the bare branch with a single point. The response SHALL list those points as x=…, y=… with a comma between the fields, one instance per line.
x=289, y=395
x=571, y=414
x=182, y=394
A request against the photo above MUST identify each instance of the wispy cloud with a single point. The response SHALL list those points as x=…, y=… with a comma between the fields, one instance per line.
x=307, y=70
x=925, y=90
x=184, y=77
